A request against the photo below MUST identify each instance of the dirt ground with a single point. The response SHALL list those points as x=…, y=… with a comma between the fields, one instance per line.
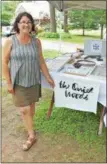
x=48, y=148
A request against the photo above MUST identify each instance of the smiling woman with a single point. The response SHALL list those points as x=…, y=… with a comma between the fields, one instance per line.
x=24, y=53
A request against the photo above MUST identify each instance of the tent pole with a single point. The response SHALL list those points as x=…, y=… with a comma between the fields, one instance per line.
x=61, y=6
x=60, y=37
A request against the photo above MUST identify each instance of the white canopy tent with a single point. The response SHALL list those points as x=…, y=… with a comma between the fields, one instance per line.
x=86, y=5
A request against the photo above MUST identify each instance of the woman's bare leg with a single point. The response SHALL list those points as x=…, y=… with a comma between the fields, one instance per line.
x=28, y=120
x=32, y=109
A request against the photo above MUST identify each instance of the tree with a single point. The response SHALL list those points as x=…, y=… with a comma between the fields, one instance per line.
x=52, y=18
x=80, y=19
x=8, y=11
x=88, y=19
x=66, y=21
x=99, y=17
x=77, y=18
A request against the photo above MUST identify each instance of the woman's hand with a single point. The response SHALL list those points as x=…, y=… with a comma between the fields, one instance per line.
x=10, y=88
x=51, y=82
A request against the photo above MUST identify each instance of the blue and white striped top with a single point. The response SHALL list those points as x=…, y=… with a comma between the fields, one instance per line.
x=24, y=63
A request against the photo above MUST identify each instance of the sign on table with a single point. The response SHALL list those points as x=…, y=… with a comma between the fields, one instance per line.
x=96, y=46
x=74, y=93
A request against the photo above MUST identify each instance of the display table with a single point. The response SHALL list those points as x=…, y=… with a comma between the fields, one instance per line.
x=101, y=80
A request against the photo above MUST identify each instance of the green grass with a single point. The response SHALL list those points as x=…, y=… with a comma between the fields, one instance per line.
x=82, y=125
x=50, y=53
x=4, y=91
x=75, y=38
x=80, y=39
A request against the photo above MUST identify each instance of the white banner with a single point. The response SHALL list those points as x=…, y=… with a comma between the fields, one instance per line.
x=74, y=93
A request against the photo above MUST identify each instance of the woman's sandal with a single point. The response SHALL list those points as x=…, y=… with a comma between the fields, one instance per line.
x=29, y=143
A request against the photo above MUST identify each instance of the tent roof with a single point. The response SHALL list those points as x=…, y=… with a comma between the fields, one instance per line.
x=86, y=5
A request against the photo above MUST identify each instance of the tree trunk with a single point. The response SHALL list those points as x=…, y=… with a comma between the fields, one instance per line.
x=101, y=31
x=65, y=21
x=83, y=21
x=52, y=19
x=83, y=32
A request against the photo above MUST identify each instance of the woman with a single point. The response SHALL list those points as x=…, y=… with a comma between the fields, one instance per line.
x=22, y=62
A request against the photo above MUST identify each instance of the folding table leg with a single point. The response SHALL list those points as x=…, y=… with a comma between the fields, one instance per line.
x=101, y=121
x=50, y=107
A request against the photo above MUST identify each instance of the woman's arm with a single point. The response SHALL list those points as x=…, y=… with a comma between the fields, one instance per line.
x=43, y=65
x=5, y=60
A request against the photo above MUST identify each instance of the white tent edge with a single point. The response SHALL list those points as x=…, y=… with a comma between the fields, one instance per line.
x=84, y=5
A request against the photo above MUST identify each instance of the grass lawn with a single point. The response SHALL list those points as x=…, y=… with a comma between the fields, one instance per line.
x=75, y=38
x=80, y=39
x=82, y=127
x=50, y=53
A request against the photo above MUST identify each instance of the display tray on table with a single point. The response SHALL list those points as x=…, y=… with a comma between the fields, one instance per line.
x=82, y=71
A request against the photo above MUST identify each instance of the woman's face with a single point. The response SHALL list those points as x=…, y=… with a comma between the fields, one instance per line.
x=25, y=25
